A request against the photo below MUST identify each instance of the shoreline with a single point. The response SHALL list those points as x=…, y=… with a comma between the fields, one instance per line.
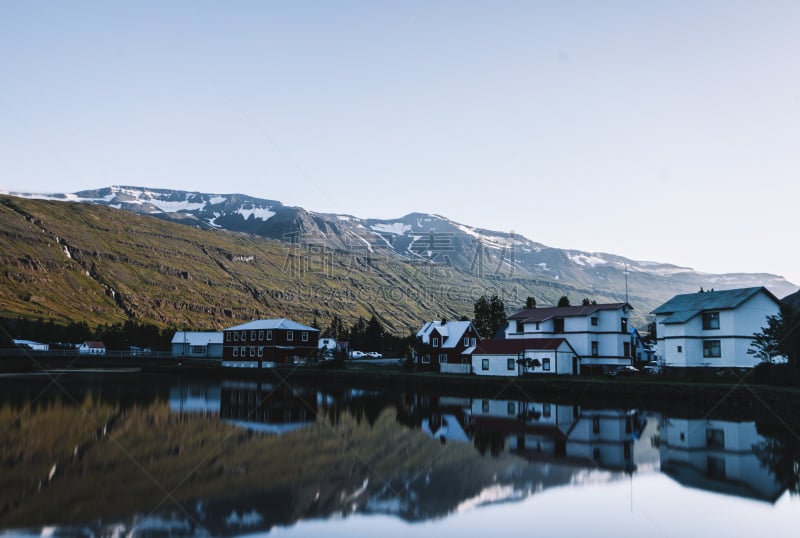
x=693, y=398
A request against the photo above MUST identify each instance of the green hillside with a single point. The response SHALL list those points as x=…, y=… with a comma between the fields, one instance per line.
x=78, y=262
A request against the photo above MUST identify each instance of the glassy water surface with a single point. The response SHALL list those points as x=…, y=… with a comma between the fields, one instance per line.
x=137, y=455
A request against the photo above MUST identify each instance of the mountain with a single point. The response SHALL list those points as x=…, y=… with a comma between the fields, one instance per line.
x=442, y=251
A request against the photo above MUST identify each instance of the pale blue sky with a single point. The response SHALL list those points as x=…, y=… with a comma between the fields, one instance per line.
x=665, y=131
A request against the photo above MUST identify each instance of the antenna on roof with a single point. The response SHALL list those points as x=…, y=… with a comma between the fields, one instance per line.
x=626, y=283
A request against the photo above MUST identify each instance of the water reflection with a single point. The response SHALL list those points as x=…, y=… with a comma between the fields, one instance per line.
x=203, y=457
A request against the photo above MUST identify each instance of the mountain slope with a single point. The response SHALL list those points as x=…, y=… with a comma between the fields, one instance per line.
x=86, y=261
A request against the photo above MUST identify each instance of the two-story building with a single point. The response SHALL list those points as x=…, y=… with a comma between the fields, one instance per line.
x=599, y=333
x=269, y=342
x=446, y=343
x=714, y=328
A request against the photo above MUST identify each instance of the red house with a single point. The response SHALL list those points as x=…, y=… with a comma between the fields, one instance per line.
x=278, y=341
x=445, y=342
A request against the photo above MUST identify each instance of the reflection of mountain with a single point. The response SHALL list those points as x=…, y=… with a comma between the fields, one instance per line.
x=191, y=459
x=718, y=456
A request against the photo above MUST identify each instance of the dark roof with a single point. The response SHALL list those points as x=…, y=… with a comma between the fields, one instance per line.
x=682, y=308
x=793, y=301
x=542, y=314
x=514, y=346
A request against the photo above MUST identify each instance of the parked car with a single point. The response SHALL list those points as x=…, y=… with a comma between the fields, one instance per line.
x=652, y=369
x=357, y=354
x=374, y=355
x=616, y=371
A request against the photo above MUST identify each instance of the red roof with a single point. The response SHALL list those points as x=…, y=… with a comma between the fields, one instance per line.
x=515, y=346
x=542, y=314
x=95, y=345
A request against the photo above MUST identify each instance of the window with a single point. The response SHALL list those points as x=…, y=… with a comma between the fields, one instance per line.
x=485, y=364
x=710, y=321
x=235, y=351
x=595, y=351
x=227, y=337
x=435, y=342
x=466, y=342
x=244, y=336
x=426, y=359
x=711, y=349
x=680, y=349
x=594, y=321
x=520, y=327
x=304, y=336
x=511, y=408
x=558, y=325
x=511, y=364
x=546, y=364
x=537, y=325
x=289, y=336
x=197, y=350
x=595, y=424
x=474, y=342
x=261, y=335
x=243, y=351
x=623, y=325
x=252, y=351
x=443, y=358
x=260, y=351
x=626, y=349
x=546, y=410
x=484, y=406
x=715, y=438
x=252, y=336
x=269, y=335
x=236, y=337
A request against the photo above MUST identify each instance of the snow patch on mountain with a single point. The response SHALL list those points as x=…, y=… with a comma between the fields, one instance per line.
x=396, y=228
x=262, y=213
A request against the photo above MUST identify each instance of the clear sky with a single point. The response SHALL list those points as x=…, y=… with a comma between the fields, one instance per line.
x=665, y=131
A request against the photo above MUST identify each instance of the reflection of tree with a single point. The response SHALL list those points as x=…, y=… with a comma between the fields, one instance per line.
x=780, y=454
x=492, y=442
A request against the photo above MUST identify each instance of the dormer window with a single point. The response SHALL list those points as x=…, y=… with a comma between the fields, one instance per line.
x=710, y=321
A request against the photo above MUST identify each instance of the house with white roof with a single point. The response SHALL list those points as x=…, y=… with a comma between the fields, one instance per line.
x=521, y=356
x=446, y=346
x=599, y=333
x=30, y=344
x=269, y=342
x=202, y=345
x=714, y=328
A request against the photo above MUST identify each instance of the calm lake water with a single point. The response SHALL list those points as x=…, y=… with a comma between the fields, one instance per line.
x=136, y=455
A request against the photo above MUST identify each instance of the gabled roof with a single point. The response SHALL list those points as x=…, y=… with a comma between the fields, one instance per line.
x=197, y=338
x=532, y=315
x=682, y=308
x=515, y=346
x=271, y=324
x=94, y=345
x=451, y=332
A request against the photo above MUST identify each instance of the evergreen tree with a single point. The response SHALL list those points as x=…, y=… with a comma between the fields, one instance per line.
x=490, y=314
x=530, y=303
x=564, y=301
x=586, y=301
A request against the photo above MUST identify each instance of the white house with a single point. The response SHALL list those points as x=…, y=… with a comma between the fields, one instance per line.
x=92, y=348
x=599, y=334
x=327, y=344
x=714, y=328
x=30, y=344
x=717, y=455
x=499, y=357
x=202, y=345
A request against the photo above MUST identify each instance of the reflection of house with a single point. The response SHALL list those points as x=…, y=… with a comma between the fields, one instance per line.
x=267, y=408
x=195, y=398
x=713, y=328
x=716, y=455
x=197, y=344
x=521, y=356
x=446, y=343
x=92, y=348
x=274, y=341
x=598, y=333
x=606, y=437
